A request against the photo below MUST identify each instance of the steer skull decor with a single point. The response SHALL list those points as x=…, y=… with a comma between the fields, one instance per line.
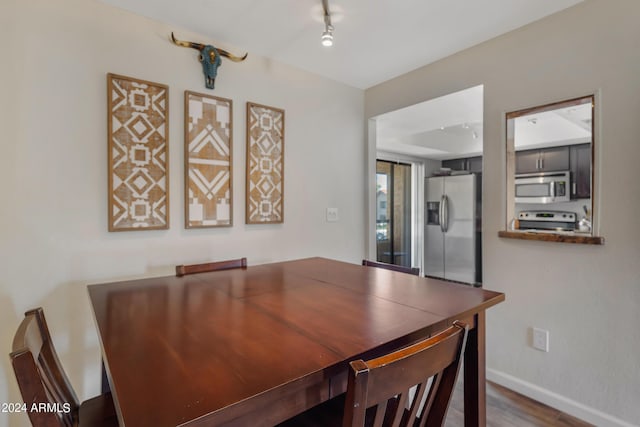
x=210, y=58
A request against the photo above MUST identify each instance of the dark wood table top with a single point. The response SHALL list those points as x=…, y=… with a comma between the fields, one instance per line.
x=204, y=347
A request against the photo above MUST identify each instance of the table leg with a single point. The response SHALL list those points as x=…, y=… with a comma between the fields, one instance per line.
x=475, y=391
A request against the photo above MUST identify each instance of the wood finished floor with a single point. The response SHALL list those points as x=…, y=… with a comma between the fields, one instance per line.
x=508, y=408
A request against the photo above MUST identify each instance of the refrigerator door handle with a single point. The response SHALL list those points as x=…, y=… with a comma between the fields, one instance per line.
x=441, y=214
x=444, y=222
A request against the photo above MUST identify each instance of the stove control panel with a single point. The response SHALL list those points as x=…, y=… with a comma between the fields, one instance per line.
x=550, y=216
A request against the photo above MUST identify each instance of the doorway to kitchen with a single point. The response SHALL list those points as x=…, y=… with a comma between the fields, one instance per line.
x=393, y=212
x=439, y=137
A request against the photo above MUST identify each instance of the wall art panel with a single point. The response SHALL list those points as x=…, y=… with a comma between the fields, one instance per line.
x=138, y=132
x=265, y=165
x=208, y=161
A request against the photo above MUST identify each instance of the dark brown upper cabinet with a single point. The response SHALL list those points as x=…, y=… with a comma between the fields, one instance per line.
x=543, y=160
x=471, y=164
x=580, y=160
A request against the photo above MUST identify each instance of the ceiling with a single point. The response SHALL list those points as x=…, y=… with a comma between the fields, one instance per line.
x=451, y=127
x=561, y=126
x=375, y=40
x=442, y=128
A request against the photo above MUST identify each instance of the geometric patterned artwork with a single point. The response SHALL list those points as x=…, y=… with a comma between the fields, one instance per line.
x=208, y=158
x=265, y=165
x=138, y=157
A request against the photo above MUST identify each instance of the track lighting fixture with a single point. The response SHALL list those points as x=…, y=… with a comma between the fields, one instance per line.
x=327, y=35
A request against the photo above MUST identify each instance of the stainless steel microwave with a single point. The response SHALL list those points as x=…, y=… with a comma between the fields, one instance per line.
x=548, y=187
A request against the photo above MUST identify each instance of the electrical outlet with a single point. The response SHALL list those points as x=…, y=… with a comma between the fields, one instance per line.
x=332, y=215
x=541, y=339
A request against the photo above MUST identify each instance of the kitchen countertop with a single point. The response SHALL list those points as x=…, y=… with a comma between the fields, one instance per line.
x=553, y=236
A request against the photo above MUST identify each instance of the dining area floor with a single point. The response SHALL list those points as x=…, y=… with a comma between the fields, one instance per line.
x=506, y=408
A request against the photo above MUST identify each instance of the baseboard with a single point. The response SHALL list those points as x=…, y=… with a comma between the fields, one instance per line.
x=556, y=401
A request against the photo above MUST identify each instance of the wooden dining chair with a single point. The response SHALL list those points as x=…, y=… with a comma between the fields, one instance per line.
x=409, y=270
x=182, y=270
x=378, y=389
x=48, y=395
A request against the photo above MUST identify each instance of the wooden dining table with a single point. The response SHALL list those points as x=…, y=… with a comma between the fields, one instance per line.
x=255, y=346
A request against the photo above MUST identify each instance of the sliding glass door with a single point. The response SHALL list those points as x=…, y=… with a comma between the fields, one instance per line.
x=393, y=212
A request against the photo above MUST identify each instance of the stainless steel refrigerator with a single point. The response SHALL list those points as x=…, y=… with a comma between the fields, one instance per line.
x=451, y=228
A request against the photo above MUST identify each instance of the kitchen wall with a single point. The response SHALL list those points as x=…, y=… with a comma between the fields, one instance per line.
x=588, y=297
x=53, y=168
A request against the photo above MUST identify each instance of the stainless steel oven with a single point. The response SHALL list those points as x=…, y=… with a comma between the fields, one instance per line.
x=547, y=220
x=549, y=187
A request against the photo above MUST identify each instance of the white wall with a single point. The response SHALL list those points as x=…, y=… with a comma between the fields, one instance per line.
x=588, y=297
x=53, y=168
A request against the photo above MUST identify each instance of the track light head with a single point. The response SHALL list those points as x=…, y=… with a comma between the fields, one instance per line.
x=327, y=36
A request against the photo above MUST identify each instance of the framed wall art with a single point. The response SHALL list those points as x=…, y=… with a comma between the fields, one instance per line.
x=208, y=148
x=138, y=130
x=265, y=165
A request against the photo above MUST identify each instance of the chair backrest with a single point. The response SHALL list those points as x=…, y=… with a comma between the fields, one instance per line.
x=182, y=270
x=409, y=270
x=383, y=384
x=40, y=375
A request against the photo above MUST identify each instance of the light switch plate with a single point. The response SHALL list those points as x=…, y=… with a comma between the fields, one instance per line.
x=332, y=215
x=541, y=339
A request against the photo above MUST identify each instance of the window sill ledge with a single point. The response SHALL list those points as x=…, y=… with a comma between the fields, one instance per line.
x=553, y=237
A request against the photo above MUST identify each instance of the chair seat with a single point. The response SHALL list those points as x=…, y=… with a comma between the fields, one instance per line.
x=330, y=414
x=327, y=414
x=98, y=411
